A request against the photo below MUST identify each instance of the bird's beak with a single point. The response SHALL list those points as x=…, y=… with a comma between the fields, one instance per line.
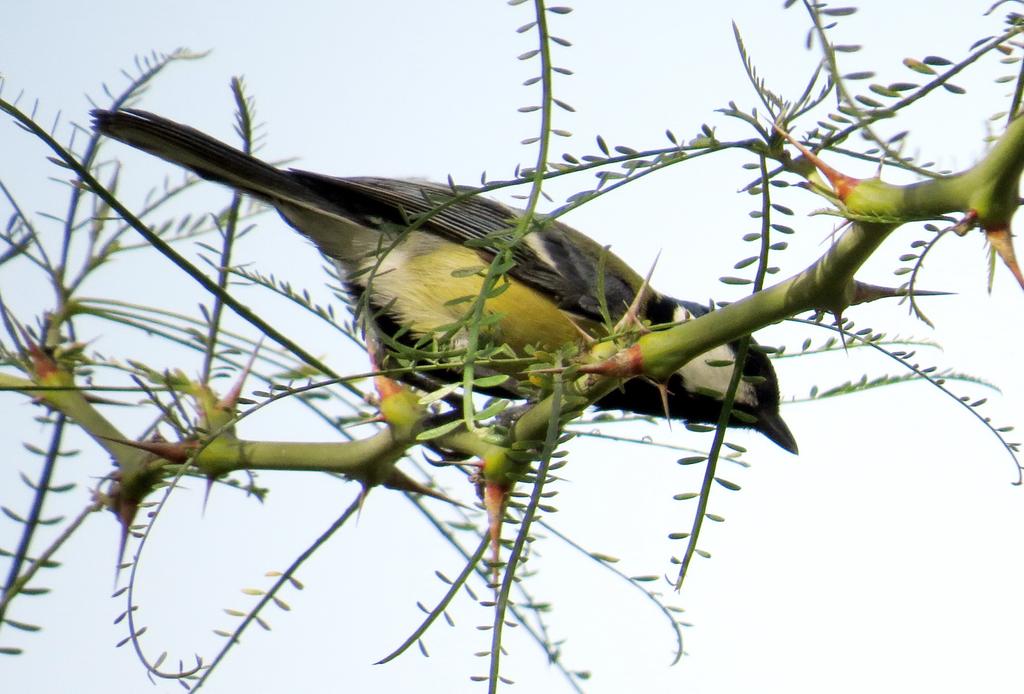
x=772, y=426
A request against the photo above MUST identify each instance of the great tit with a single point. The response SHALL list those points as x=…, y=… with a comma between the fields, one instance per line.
x=412, y=277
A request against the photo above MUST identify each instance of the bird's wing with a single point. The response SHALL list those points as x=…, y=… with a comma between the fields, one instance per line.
x=552, y=258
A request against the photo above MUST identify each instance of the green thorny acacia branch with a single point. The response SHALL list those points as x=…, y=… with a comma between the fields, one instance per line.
x=986, y=194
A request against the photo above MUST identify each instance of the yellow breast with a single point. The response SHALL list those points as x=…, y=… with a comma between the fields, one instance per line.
x=426, y=279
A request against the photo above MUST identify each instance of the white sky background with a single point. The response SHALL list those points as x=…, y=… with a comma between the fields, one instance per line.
x=885, y=557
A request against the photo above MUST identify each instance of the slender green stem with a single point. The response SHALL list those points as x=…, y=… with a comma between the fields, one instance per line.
x=12, y=590
x=734, y=382
x=43, y=261
x=229, y=230
x=223, y=272
x=283, y=579
x=442, y=605
x=158, y=243
x=31, y=523
x=518, y=547
x=526, y=220
x=539, y=633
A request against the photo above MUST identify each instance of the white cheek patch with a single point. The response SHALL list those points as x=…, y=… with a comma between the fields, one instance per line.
x=697, y=374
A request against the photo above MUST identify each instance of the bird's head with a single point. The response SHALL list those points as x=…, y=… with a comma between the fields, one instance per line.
x=694, y=390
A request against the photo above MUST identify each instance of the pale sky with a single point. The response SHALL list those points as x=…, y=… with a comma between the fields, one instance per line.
x=884, y=558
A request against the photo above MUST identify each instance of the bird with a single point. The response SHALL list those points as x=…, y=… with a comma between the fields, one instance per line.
x=412, y=254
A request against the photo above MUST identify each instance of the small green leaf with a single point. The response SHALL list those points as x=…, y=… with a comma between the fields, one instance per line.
x=884, y=91
x=468, y=271
x=440, y=393
x=731, y=486
x=491, y=381
x=491, y=410
x=838, y=11
x=917, y=66
x=868, y=101
x=438, y=431
x=23, y=626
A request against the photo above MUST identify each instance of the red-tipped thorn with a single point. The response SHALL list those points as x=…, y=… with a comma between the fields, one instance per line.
x=625, y=363
x=495, y=496
x=632, y=315
x=175, y=452
x=400, y=481
x=1002, y=241
x=969, y=221
x=586, y=338
x=841, y=183
x=125, y=511
x=864, y=292
x=386, y=387
x=663, y=392
x=43, y=364
x=229, y=401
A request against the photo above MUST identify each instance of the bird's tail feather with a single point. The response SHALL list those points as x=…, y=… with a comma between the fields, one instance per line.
x=207, y=157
